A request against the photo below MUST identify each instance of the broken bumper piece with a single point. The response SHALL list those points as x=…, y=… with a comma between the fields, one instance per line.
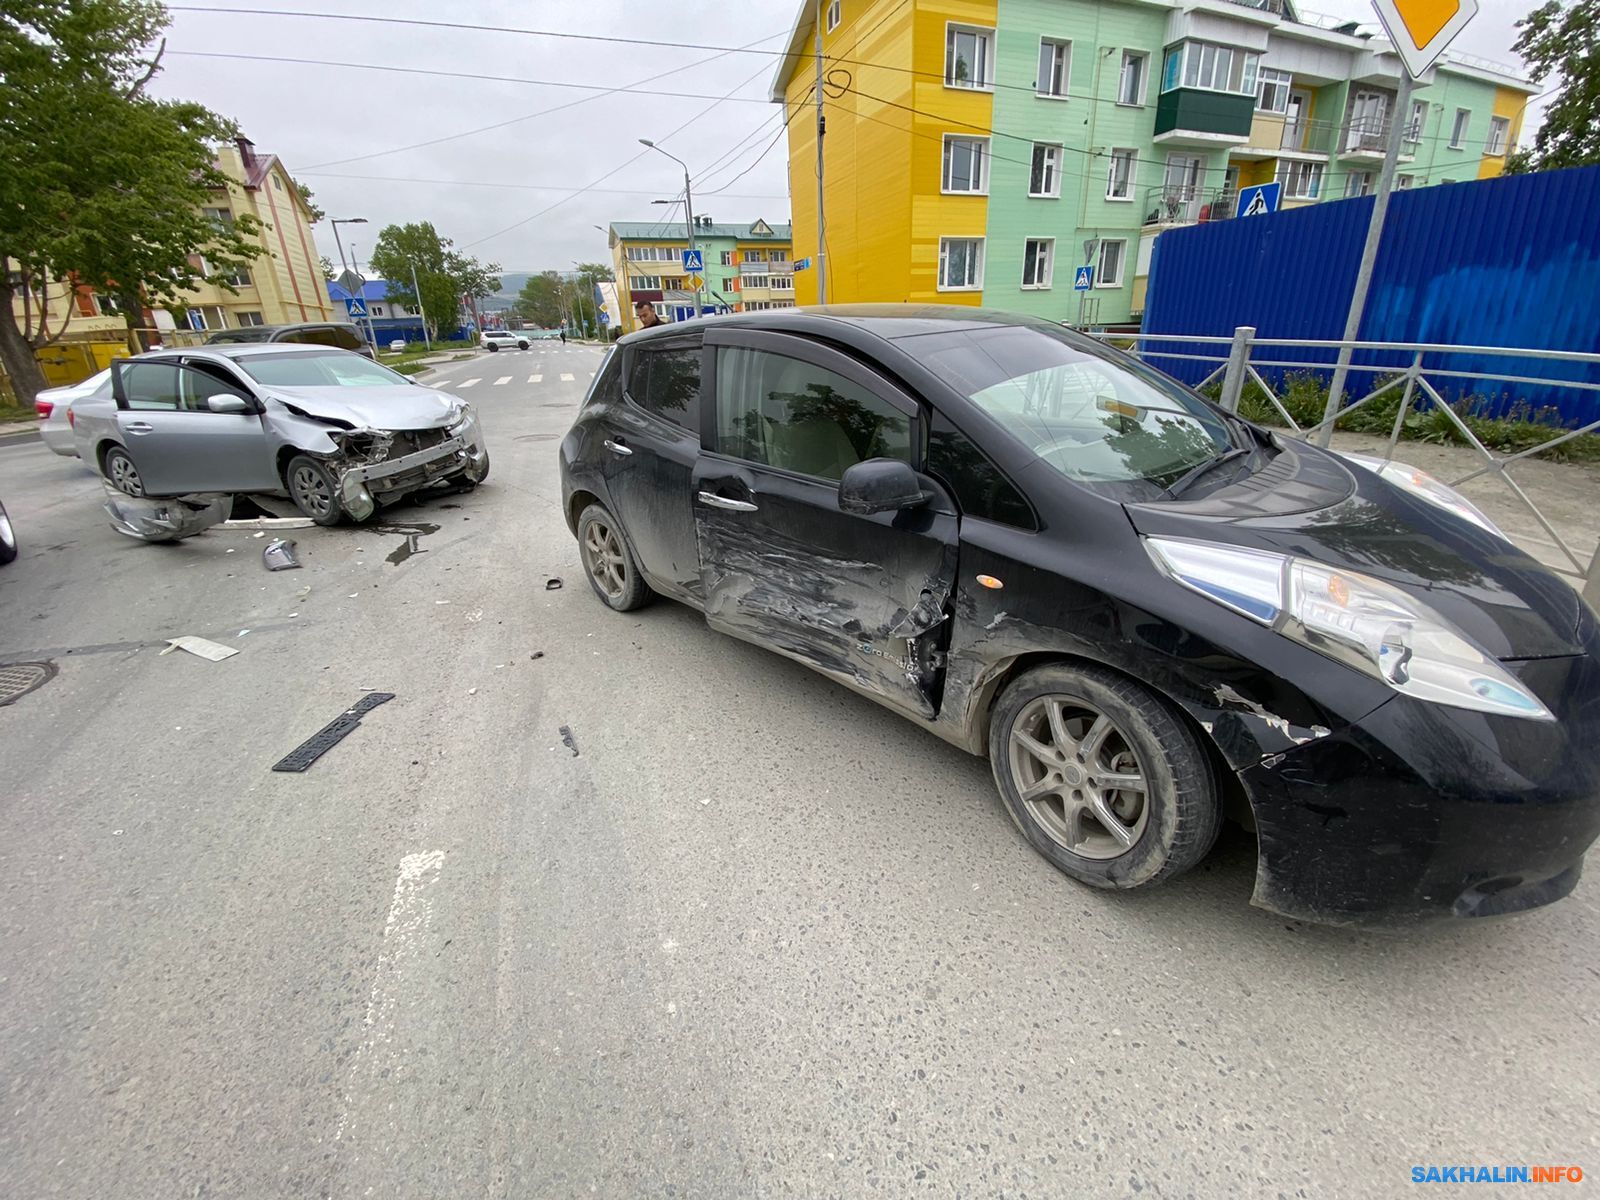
x=461, y=453
x=168, y=518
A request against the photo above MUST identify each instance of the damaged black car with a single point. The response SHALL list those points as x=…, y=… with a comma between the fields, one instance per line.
x=1148, y=613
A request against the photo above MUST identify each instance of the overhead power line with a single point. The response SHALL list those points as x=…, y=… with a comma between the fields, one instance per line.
x=524, y=187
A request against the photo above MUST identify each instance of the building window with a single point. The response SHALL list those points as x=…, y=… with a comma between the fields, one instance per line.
x=1458, y=132
x=960, y=264
x=833, y=16
x=220, y=217
x=1210, y=67
x=777, y=256
x=1300, y=180
x=1402, y=182
x=730, y=283
x=1038, y=262
x=964, y=166
x=277, y=183
x=644, y=283
x=968, y=57
x=197, y=319
x=781, y=283
x=1419, y=114
x=727, y=258
x=672, y=283
x=1273, y=96
x=1055, y=61
x=241, y=278
x=1045, y=177
x=1499, y=132
x=376, y=310
x=1130, y=85
x=753, y=256
x=756, y=282
x=1358, y=183
x=247, y=319
x=1119, y=179
x=1108, y=272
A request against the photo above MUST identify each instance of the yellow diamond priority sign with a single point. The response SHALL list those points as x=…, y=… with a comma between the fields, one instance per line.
x=1421, y=29
x=695, y=283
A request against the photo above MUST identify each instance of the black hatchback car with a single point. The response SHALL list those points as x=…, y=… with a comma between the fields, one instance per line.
x=1147, y=612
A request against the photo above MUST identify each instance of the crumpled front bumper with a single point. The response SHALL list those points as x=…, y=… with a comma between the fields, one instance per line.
x=463, y=452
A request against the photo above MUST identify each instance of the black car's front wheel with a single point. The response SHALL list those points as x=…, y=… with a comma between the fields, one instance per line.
x=1102, y=777
x=608, y=560
x=313, y=489
x=8, y=538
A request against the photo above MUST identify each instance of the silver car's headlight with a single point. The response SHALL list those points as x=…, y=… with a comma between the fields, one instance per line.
x=1353, y=618
x=1425, y=487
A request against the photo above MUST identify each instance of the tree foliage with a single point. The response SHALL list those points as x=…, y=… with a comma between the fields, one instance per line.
x=103, y=185
x=446, y=277
x=541, y=300
x=1564, y=42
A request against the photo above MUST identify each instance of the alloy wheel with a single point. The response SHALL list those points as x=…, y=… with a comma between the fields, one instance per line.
x=602, y=553
x=1078, y=777
x=311, y=491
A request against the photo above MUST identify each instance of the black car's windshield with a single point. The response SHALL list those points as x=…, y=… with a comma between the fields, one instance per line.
x=1125, y=430
x=322, y=368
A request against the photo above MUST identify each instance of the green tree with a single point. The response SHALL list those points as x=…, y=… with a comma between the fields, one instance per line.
x=103, y=185
x=313, y=209
x=1563, y=41
x=402, y=248
x=325, y=265
x=541, y=301
x=474, y=280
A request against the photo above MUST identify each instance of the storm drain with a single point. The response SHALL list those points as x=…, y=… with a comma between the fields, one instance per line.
x=18, y=679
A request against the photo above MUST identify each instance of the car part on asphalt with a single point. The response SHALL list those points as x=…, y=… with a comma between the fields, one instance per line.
x=18, y=679
x=553, y=584
x=570, y=742
x=307, y=752
x=200, y=647
x=8, y=538
x=278, y=555
x=166, y=519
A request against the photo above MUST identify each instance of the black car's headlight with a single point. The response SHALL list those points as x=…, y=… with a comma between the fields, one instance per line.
x=1357, y=620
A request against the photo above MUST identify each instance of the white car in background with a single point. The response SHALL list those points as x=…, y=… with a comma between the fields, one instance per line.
x=54, y=406
x=502, y=339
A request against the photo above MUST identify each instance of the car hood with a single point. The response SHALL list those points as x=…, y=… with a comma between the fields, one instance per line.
x=1509, y=604
x=397, y=406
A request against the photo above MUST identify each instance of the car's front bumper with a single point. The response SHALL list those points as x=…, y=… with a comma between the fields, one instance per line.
x=461, y=453
x=1421, y=812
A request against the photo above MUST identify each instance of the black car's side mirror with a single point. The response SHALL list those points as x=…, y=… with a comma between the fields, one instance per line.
x=226, y=402
x=880, y=485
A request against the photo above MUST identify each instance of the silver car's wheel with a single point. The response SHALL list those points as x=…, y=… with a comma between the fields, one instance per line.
x=313, y=490
x=1079, y=777
x=124, y=476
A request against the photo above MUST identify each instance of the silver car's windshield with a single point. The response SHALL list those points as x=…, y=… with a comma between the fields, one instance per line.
x=323, y=368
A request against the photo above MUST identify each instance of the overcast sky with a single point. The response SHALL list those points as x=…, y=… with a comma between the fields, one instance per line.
x=486, y=189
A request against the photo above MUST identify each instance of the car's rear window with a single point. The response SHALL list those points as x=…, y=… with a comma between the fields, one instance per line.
x=331, y=368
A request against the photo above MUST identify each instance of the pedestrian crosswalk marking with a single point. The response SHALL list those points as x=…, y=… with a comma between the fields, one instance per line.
x=502, y=380
x=535, y=378
x=566, y=379
x=466, y=383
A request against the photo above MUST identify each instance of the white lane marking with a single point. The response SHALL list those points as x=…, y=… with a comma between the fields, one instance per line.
x=404, y=935
x=504, y=379
x=535, y=378
x=566, y=378
x=466, y=383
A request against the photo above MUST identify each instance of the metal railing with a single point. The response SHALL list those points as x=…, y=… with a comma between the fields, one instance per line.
x=1370, y=135
x=1308, y=137
x=1402, y=367
x=1188, y=204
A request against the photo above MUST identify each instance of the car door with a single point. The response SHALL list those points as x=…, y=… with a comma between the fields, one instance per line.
x=862, y=598
x=177, y=441
x=653, y=439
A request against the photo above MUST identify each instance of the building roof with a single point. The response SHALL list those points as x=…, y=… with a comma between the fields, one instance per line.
x=660, y=231
x=373, y=289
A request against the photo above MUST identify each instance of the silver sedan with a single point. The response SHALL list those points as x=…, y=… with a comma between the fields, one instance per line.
x=54, y=406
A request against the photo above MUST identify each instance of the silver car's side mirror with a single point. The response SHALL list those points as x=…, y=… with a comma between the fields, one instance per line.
x=229, y=403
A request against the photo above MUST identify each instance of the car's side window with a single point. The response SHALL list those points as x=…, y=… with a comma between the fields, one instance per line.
x=151, y=385
x=608, y=384
x=980, y=489
x=672, y=389
x=346, y=339
x=198, y=383
x=792, y=414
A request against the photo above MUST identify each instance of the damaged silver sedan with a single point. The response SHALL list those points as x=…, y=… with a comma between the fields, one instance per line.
x=334, y=432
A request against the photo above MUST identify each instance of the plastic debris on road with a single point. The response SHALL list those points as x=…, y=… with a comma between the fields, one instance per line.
x=211, y=651
x=278, y=555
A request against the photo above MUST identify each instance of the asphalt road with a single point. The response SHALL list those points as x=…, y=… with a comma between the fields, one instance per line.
x=756, y=937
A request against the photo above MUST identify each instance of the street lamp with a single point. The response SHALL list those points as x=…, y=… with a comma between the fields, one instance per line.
x=688, y=206
x=581, y=316
x=344, y=267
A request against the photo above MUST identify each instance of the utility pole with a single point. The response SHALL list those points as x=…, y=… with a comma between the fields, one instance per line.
x=822, y=128
x=415, y=287
x=372, y=333
x=688, y=210
x=1369, y=255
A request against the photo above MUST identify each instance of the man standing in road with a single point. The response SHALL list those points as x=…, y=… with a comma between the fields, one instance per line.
x=646, y=312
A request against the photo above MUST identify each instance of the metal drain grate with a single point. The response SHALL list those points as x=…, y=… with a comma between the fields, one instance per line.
x=18, y=679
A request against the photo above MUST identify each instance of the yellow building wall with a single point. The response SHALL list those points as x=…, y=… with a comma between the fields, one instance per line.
x=1252, y=173
x=1510, y=105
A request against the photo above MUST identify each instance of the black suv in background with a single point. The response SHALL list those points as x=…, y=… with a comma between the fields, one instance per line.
x=341, y=335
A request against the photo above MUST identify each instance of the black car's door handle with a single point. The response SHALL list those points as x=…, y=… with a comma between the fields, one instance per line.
x=617, y=448
x=716, y=501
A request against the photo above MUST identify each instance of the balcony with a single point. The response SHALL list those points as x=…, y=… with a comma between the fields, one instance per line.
x=1366, y=139
x=1187, y=204
x=1197, y=117
x=766, y=268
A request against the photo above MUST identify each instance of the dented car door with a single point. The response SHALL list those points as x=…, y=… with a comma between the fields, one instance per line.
x=861, y=597
x=179, y=442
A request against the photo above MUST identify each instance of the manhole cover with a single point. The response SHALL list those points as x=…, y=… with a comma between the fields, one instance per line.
x=18, y=679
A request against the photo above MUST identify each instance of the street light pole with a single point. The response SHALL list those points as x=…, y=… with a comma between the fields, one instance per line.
x=344, y=266
x=688, y=209
x=415, y=287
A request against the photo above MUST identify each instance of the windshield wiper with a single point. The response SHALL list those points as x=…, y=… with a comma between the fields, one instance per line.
x=1187, y=480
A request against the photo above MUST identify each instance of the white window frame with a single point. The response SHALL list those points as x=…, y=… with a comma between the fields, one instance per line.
x=1131, y=156
x=1358, y=183
x=1054, y=153
x=1404, y=182
x=1307, y=171
x=977, y=284
x=1030, y=255
x=951, y=28
x=1282, y=81
x=1143, y=59
x=1499, y=139
x=376, y=310
x=1062, y=48
x=1419, y=118
x=645, y=283
x=1194, y=50
x=1458, y=131
x=983, y=166
x=248, y=320
x=1100, y=263
x=834, y=15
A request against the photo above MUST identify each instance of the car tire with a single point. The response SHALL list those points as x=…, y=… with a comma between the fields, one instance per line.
x=492, y=348
x=522, y=345
x=8, y=538
x=608, y=561
x=116, y=465
x=313, y=489
x=1161, y=824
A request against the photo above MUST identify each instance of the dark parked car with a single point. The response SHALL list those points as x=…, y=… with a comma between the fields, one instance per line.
x=341, y=335
x=1146, y=612
x=8, y=538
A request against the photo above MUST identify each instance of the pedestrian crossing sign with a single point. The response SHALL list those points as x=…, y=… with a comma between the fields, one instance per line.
x=693, y=260
x=1084, y=279
x=1258, y=201
x=355, y=308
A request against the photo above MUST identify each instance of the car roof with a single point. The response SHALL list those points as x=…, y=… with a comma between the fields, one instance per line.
x=243, y=349
x=887, y=321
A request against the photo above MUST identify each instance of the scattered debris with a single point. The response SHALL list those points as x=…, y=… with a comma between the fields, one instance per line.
x=570, y=742
x=314, y=747
x=268, y=523
x=475, y=616
x=441, y=602
x=553, y=584
x=229, y=550
x=278, y=555
x=537, y=654
x=472, y=691
x=705, y=799
x=241, y=633
x=263, y=533
x=303, y=592
x=165, y=520
x=212, y=651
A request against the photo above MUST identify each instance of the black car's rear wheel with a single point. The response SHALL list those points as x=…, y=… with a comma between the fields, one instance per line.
x=119, y=469
x=608, y=560
x=313, y=489
x=1102, y=777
